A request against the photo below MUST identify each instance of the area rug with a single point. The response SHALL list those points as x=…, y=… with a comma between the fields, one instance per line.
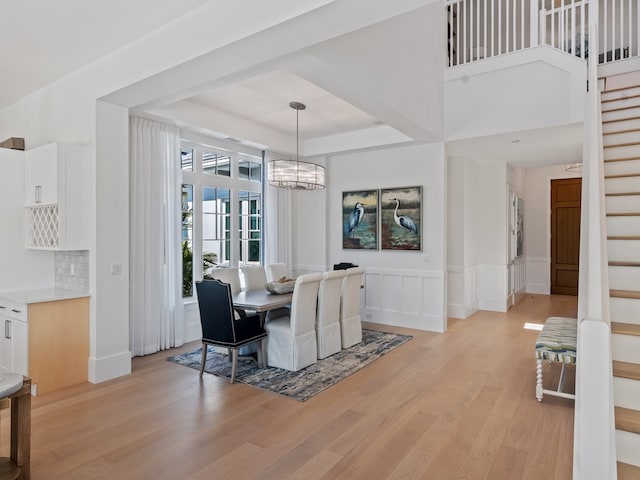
x=305, y=383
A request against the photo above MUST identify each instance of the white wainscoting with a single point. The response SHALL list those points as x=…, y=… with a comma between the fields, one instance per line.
x=538, y=275
x=493, y=286
x=407, y=298
x=192, y=328
x=462, y=291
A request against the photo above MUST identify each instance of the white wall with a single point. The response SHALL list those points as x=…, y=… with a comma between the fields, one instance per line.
x=537, y=231
x=462, y=249
x=20, y=269
x=404, y=288
x=544, y=86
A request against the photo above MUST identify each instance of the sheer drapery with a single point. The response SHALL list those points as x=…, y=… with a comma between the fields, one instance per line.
x=156, y=311
x=277, y=223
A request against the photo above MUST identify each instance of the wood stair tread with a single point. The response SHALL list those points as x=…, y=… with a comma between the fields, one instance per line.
x=624, y=237
x=619, y=89
x=619, y=109
x=626, y=328
x=624, y=214
x=624, y=294
x=626, y=144
x=606, y=100
x=617, y=132
x=623, y=175
x=614, y=120
x=622, y=159
x=628, y=472
x=623, y=264
x=627, y=419
x=626, y=370
x=621, y=194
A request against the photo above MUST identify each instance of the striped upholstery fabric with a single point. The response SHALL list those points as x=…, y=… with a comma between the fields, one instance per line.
x=557, y=340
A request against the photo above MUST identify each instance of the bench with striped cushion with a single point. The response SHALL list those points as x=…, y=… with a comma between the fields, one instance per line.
x=557, y=342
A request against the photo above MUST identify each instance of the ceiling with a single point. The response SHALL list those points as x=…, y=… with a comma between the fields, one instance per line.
x=45, y=40
x=58, y=38
x=264, y=99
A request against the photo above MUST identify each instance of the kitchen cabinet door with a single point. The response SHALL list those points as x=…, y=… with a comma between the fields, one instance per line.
x=41, y=175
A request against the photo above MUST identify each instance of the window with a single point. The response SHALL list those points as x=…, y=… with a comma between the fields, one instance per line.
x=187, y=240
x=215, y=163
x=221, y=210
x=249, y=169
x=216, y=226
x=250, y=226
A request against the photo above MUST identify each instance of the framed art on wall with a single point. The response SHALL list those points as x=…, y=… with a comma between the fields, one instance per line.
x=360, y=220
x=401, y=218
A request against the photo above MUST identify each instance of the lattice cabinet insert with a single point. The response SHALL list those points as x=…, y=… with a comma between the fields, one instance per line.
x=44, y=227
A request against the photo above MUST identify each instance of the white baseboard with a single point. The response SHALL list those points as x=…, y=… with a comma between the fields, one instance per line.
x=493, y=305
x=541, y=289
x=462, y=311
x=106, y=368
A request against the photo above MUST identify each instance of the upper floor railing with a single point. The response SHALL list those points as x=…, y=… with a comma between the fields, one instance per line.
x=479, y=29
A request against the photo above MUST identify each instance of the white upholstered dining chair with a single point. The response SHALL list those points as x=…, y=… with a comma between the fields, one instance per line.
x=254, y=276
x=350, y=321
x=227, y=275
x=328, y=334
x=276, y=271
x=291, y=340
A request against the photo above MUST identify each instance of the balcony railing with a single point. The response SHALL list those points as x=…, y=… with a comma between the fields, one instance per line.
x=479, y=29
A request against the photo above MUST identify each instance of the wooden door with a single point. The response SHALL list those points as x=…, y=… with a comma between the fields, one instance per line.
x=565, y=235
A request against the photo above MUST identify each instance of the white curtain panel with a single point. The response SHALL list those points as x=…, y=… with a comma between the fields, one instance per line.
x=277, y=218
x=156, y=311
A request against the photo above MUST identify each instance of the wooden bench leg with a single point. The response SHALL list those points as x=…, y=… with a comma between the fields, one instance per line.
x=539, y=380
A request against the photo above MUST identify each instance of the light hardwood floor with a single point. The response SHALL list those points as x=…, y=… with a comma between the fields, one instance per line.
x=459, y=405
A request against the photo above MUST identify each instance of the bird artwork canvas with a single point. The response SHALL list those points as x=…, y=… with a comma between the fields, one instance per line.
x=360, y=220
x=401, y=220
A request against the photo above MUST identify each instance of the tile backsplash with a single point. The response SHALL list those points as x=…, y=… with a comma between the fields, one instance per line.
x=72, y=270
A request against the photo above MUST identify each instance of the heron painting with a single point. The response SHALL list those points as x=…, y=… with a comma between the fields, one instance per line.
x=401, y=224
x=360, y=219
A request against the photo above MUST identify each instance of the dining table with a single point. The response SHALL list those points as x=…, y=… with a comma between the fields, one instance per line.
x=261, y=301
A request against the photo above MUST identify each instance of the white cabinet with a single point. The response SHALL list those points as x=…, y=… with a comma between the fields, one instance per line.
x=56, y=197
x=14, y=343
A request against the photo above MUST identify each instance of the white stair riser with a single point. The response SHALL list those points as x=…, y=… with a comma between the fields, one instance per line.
x=624, y=310
x=628, y=447
x=623, y=204
x=621, y=103
x=619, y=114
x=625, y=348
x=626, y=393
x=623, y=226
x=620, y=94
x=624, y=278
x=624, y=80
x=622, y=185
x=622, y=152
x=624, y=250
x=627, y=124
x=617, y=168
x=618, y=138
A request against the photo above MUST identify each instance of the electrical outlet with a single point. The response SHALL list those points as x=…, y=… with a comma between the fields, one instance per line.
x=115, y=269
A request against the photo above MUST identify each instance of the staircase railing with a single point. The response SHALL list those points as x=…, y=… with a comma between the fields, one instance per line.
x=594, y=427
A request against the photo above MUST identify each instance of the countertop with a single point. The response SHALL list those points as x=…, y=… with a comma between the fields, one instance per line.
x=42, y=295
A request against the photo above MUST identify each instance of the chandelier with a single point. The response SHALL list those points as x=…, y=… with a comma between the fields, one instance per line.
x=296, y=174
